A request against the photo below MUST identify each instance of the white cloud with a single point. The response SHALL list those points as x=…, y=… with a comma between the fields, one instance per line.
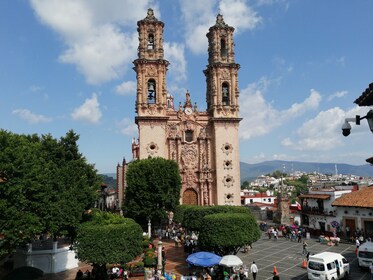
x=128, y=127
x=126, y=88
x=89, y=111
x=103, y=55
x=337, y=94
x=31, y=117
x=174, y=53
x=239, y=14
x=92, y=32
x=323, y=132
x=35, y=88
x=260, y=117
x=198, y=16
x=310, y=103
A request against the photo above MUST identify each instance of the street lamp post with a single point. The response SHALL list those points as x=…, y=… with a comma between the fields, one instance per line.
x=149, y=228
x=160, y=265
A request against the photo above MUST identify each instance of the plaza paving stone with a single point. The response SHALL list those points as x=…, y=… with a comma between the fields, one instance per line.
x=284, y=254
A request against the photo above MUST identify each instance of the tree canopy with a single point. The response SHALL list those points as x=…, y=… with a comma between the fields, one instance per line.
x=226, y=233
x=153, y=187
x=108, y=238
x=223, y=229
x=193, y=215
x=45, y=186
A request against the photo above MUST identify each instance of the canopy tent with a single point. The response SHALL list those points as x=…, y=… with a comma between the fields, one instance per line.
x=230, y=261
x=204, y=259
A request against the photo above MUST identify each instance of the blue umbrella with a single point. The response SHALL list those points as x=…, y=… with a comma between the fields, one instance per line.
x=205, y=259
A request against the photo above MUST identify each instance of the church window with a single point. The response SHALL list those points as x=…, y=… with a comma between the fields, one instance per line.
x=189, y=135
x=225, y=93
x=151, y=92
x=223, y=48
x=151, y=42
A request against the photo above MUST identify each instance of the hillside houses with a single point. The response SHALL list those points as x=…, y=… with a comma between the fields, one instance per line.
x=355, y=211
x=317, y=213
x=334, y=204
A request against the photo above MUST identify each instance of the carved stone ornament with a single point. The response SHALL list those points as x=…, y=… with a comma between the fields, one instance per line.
x=151, y=109
x=227, y=148
x=229, y=198
x=228, y=164
x=225, y=75
x=152, y=148
x=189, y=156
x=152, y=72
x=202, y=133
x=173, y=131
x=228, y=181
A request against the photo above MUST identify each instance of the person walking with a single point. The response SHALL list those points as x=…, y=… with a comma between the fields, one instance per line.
x=275, y=276
x=304, y=252
x=254, y=270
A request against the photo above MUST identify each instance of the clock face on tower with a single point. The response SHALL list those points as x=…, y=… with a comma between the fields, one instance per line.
x=188, y=111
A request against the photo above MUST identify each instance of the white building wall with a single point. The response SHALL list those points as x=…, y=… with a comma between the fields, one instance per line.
x=49, y=261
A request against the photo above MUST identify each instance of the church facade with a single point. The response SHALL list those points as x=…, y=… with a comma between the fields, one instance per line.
x=203, y=143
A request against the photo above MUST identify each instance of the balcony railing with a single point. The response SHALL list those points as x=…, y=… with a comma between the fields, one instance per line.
x=317, y=211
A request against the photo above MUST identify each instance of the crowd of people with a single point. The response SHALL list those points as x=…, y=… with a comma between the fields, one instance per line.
x=293, y=233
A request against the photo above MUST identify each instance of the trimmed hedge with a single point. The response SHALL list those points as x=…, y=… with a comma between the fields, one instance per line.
x=108, y=238
x=226, y=233
x=193, y=215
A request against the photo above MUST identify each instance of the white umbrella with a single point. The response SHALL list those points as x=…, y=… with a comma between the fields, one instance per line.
x=230, y=261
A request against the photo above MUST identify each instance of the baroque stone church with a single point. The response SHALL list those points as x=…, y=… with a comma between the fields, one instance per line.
x=203, y=143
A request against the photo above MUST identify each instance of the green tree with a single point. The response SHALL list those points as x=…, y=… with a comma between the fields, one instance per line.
x=153, y=187
x=245, y=185
x=300, y=186
x=108, y=238
x=277, y=174
x=46, y=185
x=193, y=217
x=226, y=233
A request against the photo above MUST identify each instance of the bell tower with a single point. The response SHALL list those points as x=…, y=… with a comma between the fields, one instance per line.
x=151, y=68
x=203, y=143
x=222, y=107
x=152, y=101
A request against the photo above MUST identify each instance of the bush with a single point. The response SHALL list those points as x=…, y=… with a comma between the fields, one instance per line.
x=122, y=242
x=150, y=262
x=226, y=233
x=193, y=215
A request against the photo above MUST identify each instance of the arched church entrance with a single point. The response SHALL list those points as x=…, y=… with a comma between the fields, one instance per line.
x=190, y=197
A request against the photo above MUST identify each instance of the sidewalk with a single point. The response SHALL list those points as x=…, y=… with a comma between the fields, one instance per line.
x=175, y=263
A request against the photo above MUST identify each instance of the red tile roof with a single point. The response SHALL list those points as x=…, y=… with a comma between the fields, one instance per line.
x=366, y=98
x=315, y=196
x=362, y=198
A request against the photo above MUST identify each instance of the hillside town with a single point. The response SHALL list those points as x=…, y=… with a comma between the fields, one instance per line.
x=330, y=204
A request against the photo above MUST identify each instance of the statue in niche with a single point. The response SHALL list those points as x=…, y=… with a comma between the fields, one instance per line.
x=202, y=133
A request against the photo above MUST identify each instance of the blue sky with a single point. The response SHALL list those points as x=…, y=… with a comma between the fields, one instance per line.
x=68, y=65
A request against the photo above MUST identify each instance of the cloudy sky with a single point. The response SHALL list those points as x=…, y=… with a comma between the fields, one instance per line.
x=68, y=65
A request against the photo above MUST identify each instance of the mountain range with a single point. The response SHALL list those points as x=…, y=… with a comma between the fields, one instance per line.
x=251, y=171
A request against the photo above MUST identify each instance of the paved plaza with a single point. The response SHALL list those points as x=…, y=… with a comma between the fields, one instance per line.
x=283, y=253
x=287, y=256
